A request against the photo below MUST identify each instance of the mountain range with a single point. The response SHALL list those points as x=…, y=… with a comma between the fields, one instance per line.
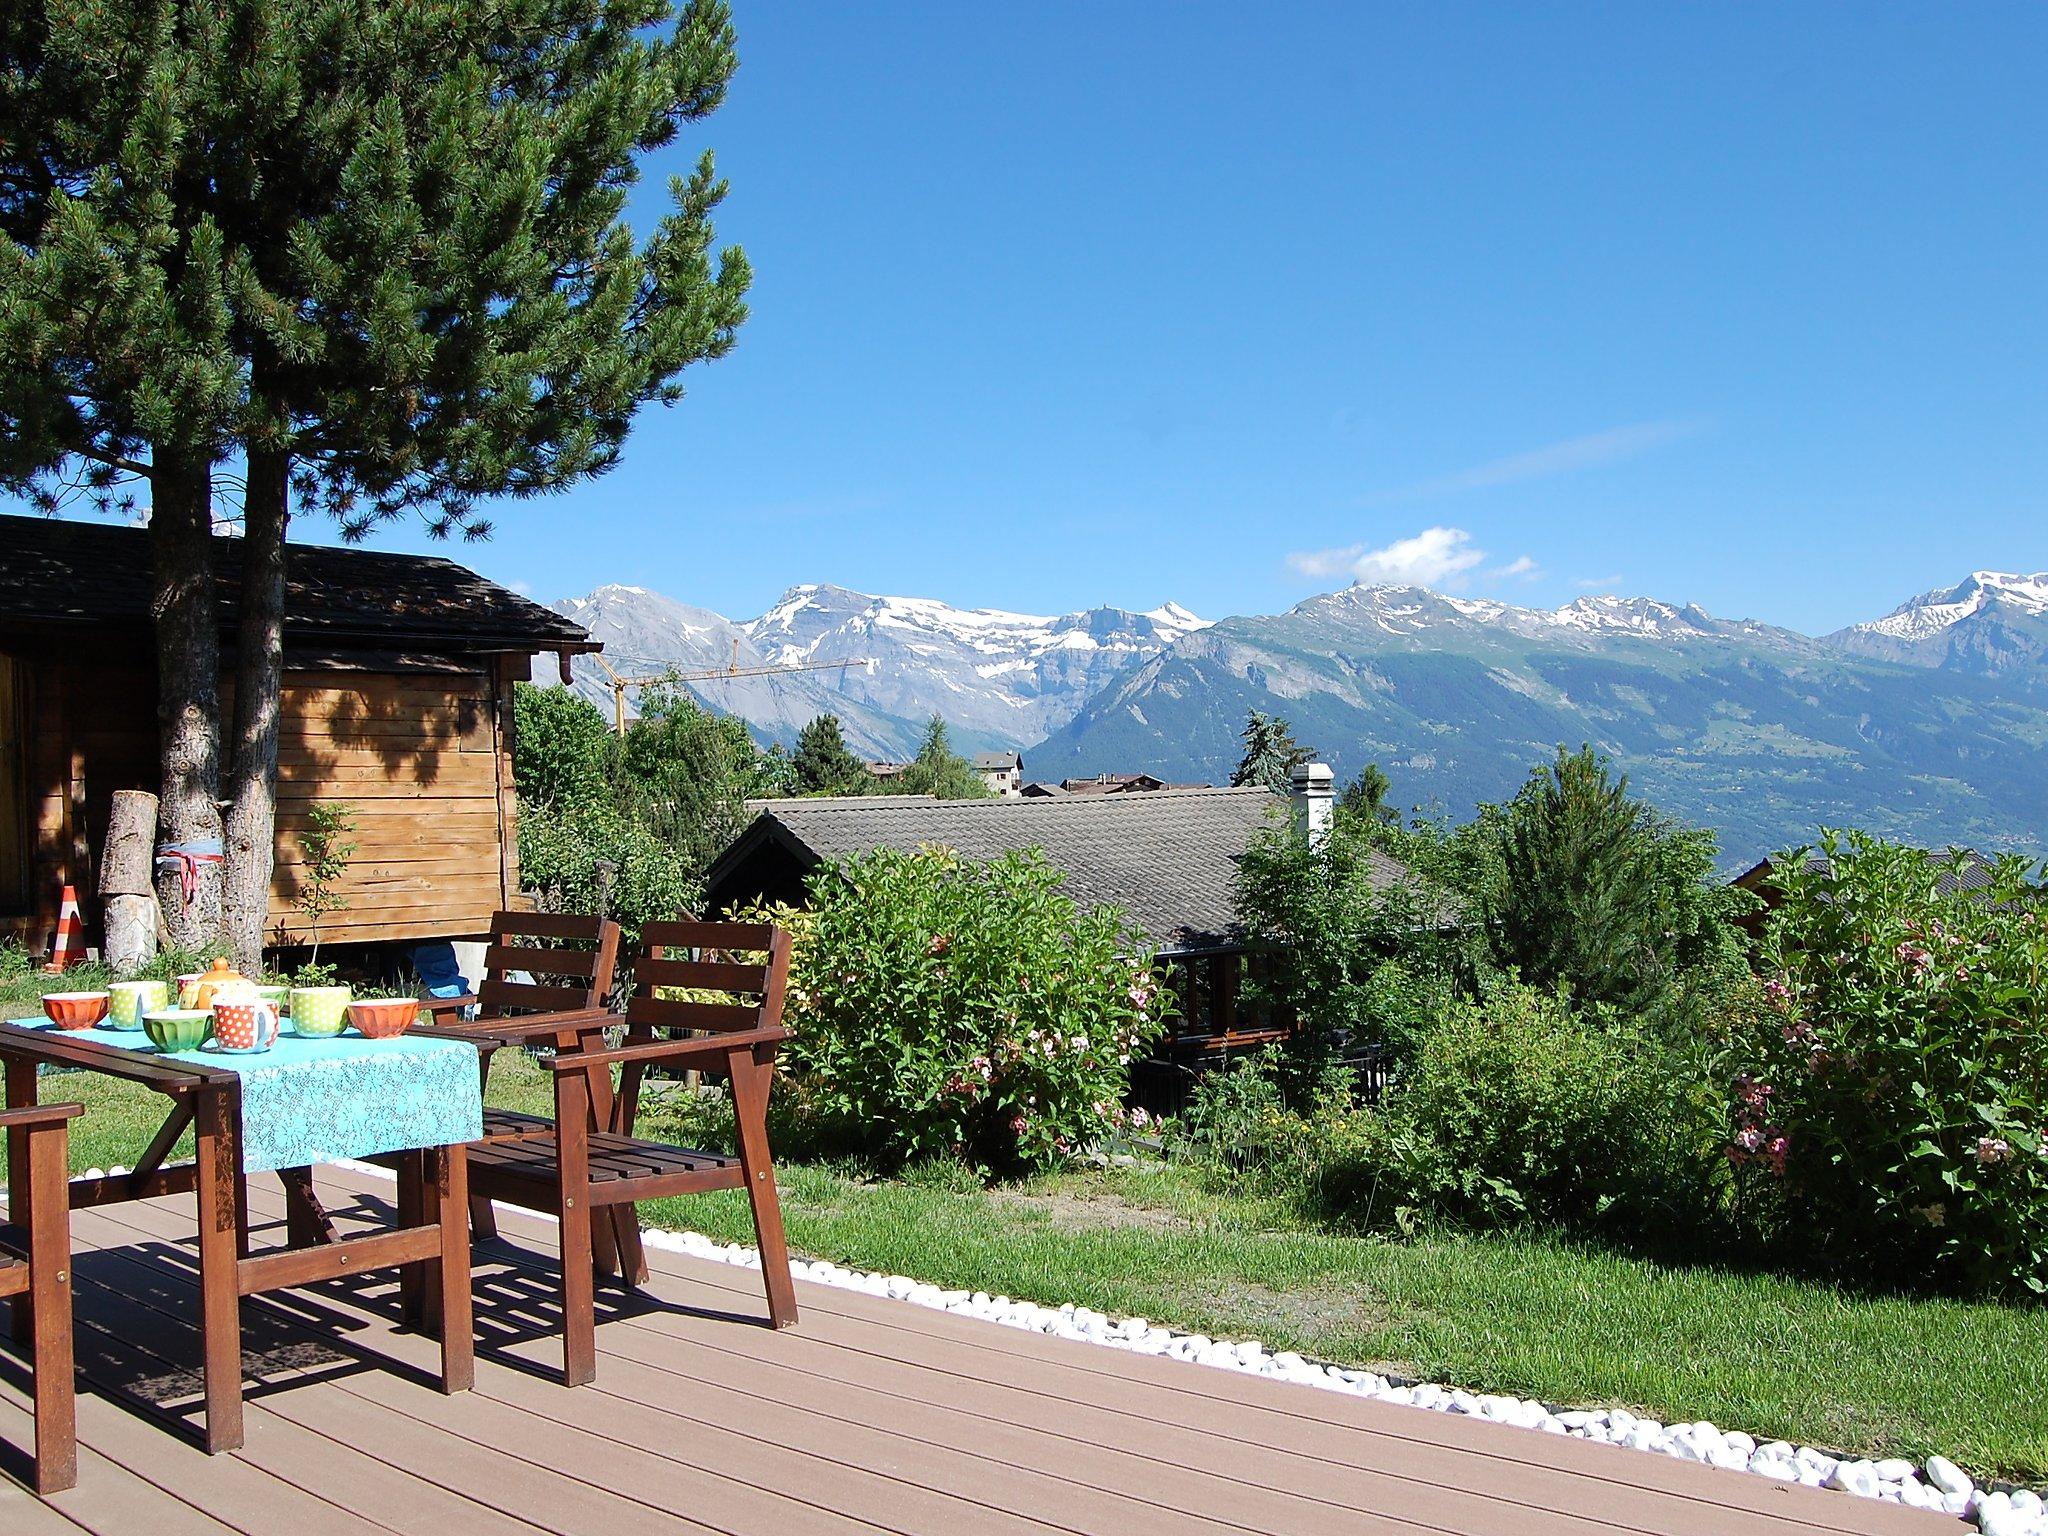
x=1000, y=680
x=1930, y=723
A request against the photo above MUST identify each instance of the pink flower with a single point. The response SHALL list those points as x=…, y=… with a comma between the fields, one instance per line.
x=1777, y=991
x=1993, y=1149
x=1018, y=1124
x=1749, y=1138
x=939, y=945
x=1915, y=956
x=1140, y=1119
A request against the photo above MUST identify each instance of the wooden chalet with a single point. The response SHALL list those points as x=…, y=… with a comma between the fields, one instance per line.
x=397, y=701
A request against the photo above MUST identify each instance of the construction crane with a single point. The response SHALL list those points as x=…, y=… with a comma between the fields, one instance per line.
x=619, y=684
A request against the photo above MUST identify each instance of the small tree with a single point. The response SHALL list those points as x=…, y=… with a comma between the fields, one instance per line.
x=1366, y=796
x=1270, y=753
x=939, y=770
x=824, y=764
x=325, y=848
x=1593, y=890
x=561, y=747
x=686, y=775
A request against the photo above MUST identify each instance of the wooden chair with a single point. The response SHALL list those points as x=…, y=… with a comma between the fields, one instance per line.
x=568, y=986
x=40, y=1282
x=589, y=1165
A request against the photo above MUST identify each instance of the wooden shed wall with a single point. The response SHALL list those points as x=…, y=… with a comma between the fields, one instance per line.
x=424, y=758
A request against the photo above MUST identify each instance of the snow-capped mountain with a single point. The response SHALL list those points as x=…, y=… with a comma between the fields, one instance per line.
x=1991, y=623
x=1756, y=731
x=1000, y=679
x=1422, y=611
x=1011, y=678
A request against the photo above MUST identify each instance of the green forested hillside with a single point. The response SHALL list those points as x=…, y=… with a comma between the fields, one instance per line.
x=1762, y=734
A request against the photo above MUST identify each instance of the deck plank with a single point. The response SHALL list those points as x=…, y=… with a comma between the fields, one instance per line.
x=869, y=1415
x=1624, y=1489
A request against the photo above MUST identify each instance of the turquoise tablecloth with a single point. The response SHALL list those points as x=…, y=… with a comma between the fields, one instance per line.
x=314, y=1101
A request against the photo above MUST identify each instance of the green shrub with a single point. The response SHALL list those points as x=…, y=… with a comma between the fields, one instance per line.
x=1354, y=949
x=1517, y=1107
x=1899, y=1097
x=562, y=851
x=947, y=1008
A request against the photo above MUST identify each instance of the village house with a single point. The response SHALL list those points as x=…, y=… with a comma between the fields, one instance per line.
x=397, y=702
x=1002, y=772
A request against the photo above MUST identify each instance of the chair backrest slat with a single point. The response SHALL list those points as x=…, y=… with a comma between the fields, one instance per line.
x=713, y=975
x=580, y=948
x=546, y=925
x=541, y=962
x=687, y=933
x=651, y=1012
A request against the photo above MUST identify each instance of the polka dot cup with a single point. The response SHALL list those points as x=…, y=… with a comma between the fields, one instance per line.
x=128, y=1001
x=319, y=1011
x=245, y=1026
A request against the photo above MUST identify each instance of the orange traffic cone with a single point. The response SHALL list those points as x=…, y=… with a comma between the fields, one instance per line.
x=69, y=946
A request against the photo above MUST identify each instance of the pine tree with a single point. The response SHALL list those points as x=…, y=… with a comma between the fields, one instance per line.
x=1592, y=889
x=1366, y=796
x=823, y=763
x=939, y=770
x=1271, y=753
x=373, y=252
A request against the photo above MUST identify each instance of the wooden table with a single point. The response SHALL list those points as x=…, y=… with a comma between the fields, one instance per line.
x=432, y=1243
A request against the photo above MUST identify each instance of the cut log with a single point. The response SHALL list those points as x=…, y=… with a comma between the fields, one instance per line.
x=131, y=927
x=128, y=861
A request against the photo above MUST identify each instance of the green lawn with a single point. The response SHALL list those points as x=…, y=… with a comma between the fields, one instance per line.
x=1538, y=1318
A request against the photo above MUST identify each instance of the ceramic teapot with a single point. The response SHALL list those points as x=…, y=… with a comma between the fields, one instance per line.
x=219, y=983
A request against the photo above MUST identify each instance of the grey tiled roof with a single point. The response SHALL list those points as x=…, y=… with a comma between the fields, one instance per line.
x=1168, y=858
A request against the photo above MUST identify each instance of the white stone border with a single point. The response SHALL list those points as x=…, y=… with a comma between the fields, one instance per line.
x=1939, y=1486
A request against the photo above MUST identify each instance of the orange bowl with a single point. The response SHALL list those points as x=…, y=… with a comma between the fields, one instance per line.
x=381, y=1018
x=74, y=1010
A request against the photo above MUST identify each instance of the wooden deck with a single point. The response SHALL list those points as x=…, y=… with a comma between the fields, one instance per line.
x=869, y=1415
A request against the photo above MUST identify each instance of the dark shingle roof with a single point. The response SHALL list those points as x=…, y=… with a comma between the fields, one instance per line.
x=58, y=572
x=1168, y=858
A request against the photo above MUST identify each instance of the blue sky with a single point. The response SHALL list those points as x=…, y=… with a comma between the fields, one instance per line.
x=1067, y=304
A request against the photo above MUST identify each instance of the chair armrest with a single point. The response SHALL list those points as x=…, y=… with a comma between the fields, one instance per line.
x=509, y=1029
x=440, y=1005
x=667, y=1050
x=39, y=1116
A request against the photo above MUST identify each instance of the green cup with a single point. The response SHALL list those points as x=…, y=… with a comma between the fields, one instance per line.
x=320, y=1011
x=128, y=1001
x=279, y=998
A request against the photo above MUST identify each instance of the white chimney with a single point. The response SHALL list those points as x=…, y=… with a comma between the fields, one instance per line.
x=1315, y=797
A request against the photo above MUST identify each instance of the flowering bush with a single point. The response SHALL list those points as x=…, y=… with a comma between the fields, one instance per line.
x=943, y=1007
x=1896, y=1099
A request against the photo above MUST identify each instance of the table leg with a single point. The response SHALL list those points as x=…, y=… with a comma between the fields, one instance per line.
x=21, y=1094
x=306, y=1221
x=412, y=1278
x=219, y=1158
x=451, y=1273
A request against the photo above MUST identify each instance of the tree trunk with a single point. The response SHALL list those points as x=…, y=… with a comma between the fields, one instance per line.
x=128, y=913
x=128, y=852
x=188, y=699
x=259, y=686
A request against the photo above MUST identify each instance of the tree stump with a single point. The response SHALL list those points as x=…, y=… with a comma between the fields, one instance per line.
x=128, y=881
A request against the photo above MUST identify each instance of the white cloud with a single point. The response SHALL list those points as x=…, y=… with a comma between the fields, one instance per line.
x=1599, y=583
x=1523, y=566
x=1435, y=557
x=523, y=588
